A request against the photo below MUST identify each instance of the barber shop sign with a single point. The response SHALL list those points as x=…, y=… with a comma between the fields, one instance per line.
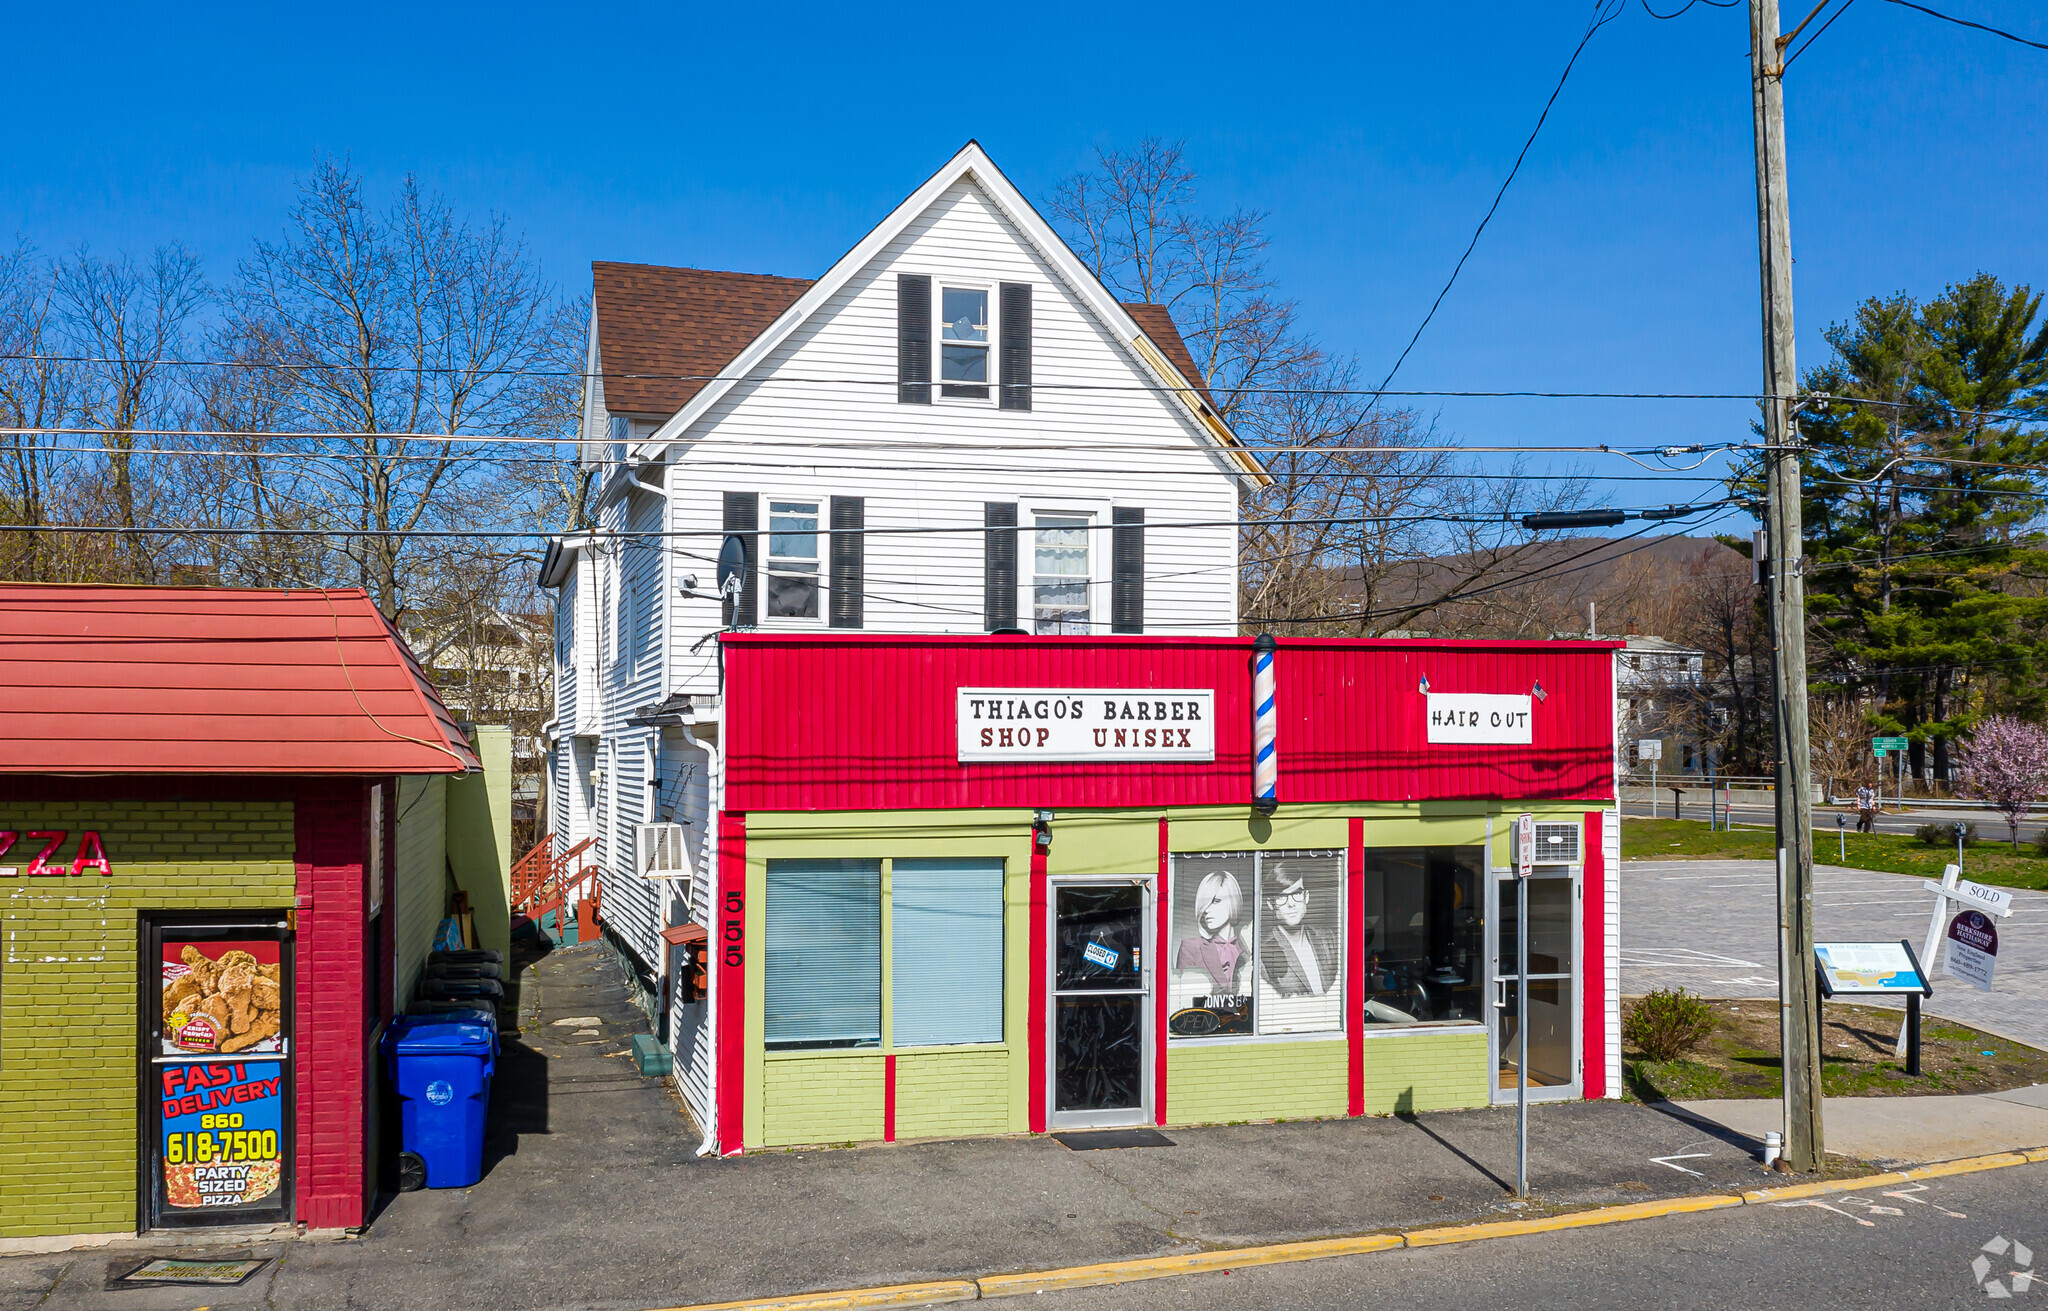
x=1082, y=723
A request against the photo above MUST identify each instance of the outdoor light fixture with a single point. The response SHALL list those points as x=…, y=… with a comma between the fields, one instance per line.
x=1041, y=829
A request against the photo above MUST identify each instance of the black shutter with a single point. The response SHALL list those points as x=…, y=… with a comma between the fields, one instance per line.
x=999, y=565
x=743, y=516
x=913, y=339
x=849, y=516
x=1015, y=332
x=1127, y=570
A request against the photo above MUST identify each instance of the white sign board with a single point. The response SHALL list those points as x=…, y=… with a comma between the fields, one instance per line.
x=1479, y=717
x=1085, y=723
x=1867, y=967
x=1650, y=748
x=1972, y=948
x=1525, y=844
x=1975, y=895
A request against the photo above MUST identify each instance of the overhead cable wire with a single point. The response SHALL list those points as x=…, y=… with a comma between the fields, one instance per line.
x=1604, y=12
x=1964, y=22
x=669, y=534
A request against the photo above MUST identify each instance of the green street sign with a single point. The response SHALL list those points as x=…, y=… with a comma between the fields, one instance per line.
x=1878, y=752
x=1883, y=744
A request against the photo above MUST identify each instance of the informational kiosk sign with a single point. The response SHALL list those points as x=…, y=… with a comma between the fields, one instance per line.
x=1869, y=969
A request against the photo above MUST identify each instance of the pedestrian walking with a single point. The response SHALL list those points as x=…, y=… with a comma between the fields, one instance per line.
x=1866, y=809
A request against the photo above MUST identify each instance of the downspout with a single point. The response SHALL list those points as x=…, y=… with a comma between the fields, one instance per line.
x=715, y=795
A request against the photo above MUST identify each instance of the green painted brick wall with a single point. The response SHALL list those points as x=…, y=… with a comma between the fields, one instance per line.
x=1424, y=1072
x=821, y=1099
x=1254, y=1081
x=945, y=1094
x=67, y=1005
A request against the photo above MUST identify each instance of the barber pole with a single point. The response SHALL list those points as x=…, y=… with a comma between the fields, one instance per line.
x=1265, y=722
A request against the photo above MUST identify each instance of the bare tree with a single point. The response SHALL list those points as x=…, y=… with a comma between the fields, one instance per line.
x=128, y=320
x=390, y=336
x=36, y=391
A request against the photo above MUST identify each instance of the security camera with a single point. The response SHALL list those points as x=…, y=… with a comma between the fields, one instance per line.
x=688, y=586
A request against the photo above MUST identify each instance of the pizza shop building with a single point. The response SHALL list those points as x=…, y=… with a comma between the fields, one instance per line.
x=998, y=884
x=204, y=918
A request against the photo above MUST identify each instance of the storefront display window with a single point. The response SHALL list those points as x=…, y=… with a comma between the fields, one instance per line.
x=1424, y=926
x=1257, y=944
x=946, y=951
x=824, y=961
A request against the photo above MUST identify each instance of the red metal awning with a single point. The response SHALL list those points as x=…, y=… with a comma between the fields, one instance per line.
x=199, y=680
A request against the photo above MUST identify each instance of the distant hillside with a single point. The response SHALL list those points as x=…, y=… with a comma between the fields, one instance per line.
x=1544, y=589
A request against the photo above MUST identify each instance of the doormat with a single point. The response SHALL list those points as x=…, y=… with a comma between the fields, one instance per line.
x=186, y=1270
x=1099, y=1140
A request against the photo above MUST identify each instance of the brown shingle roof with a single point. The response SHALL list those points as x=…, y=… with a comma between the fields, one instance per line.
x=1157, y=322
x=662, y=331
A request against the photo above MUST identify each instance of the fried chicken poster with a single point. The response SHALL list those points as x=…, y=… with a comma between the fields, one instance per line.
x=222, y=998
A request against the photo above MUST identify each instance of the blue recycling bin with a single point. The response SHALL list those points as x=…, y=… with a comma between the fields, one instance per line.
x=441, y=1066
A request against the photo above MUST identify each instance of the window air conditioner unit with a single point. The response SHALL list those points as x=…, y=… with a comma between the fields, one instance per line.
x=662, y=851
x=1557, y=844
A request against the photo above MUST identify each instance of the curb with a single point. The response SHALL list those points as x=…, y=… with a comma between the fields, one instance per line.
x=939, y=1292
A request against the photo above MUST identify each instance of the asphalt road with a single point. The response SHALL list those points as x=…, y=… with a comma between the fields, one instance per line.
x=1909, y=1247
x=1990, y=825
x=1710, y=926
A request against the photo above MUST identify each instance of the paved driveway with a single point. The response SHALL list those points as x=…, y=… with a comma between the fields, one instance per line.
x=1711, y=926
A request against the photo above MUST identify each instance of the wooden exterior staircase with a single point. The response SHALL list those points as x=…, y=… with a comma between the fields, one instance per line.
x=543, y=882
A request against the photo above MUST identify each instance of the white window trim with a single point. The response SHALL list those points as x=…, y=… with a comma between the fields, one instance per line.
x=1097, y=514
x=993, y=292
x=764, y=622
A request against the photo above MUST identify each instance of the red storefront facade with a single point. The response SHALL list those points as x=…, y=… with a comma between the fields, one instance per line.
x=1098, y=794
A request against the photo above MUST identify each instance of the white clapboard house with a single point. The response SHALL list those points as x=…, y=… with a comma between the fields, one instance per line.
x=959, y=372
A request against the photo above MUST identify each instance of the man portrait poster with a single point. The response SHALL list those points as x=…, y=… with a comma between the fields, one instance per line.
x=1301, y=957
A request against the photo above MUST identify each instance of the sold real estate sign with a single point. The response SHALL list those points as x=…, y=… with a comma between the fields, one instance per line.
x=1085, y=723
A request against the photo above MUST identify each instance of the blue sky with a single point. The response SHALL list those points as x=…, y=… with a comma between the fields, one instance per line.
x=1374, y=135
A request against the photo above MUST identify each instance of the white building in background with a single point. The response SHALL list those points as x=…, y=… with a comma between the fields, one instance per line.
x=956, y=429
x=1661, y=695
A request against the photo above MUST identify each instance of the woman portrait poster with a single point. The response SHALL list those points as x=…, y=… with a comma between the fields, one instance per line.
x=1209, y=987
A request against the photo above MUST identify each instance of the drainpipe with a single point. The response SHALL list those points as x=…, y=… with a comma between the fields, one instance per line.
x=713, y=794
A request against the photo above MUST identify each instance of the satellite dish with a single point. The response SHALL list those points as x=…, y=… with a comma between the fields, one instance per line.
x=732, y=564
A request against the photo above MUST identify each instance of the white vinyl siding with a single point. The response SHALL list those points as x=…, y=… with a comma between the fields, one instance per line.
x=932, y=466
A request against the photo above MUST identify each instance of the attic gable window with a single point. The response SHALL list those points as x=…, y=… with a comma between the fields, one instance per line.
x=963, y=343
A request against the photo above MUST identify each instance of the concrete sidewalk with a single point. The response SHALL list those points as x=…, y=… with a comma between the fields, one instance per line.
x=1892, y=1130
x=595, y=1197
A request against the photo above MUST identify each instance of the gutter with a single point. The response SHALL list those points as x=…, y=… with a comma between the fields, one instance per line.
x=710, y=749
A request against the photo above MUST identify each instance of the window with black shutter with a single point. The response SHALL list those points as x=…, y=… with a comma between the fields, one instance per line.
x=1015, y=345
x=849, y=517
x=1127, y=570
x=999, y=565
x=913, y=339
x=743, y=516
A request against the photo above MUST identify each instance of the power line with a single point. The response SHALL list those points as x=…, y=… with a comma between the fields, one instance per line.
x=1964, y=22
x=1604, y=12
x=1663, y=513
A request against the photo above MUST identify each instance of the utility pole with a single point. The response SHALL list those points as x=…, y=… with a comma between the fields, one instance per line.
x=1799, y=1033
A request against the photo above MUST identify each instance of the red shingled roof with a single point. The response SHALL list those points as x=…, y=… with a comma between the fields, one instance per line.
x=662, y=331
x=201, y=680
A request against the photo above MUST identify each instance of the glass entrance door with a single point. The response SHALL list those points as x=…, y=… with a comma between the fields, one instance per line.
x=1101, y=1012
x=1553, y=986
